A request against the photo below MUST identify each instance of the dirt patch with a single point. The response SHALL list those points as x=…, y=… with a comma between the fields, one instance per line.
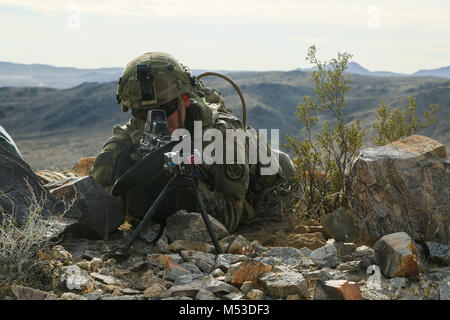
x=281, y=234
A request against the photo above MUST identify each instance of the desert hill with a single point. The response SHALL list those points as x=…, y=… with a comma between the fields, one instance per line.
x=55, y=127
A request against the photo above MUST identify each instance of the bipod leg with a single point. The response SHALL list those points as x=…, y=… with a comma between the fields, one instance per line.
x=146, y=218
x=204, y=213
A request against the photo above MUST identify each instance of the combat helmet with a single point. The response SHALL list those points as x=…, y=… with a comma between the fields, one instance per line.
x=151, y=80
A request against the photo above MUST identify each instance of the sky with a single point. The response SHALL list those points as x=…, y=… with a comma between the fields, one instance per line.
x=400, y=36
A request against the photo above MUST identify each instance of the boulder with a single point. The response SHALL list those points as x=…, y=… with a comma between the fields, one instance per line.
x=21, y=189
x=174, y=271
x=27, y=293
x=287, y=255
x=180, y=245
x=439, y=253
x=71, y=296
x=345, y=248
x=205, y=294
x=225, y=260
x=205, y=261
x=336, y=290
x=280, y=285
x=341, y=226
x=155, y=289
x=190, y=226
x=444, y=289
x=110, y=280
x=240, y=245
x=364, y=254
x=403, y=186
x=352, y=266
x=249, y=271
x=255, y=294
x=100, y=215
x=325, y=256
x=397, y=255
x=220, y=287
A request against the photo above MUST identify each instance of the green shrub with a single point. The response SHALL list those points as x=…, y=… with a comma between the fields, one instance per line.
x=394, y=124
x=323, y=161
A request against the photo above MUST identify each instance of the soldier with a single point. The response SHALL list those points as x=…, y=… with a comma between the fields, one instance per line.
x=171, y=87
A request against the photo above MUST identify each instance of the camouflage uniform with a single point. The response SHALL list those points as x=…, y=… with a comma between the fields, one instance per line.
x=228, y=197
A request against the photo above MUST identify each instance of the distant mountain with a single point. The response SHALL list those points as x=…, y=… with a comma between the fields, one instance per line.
x=356, y=68
x=55, y=127
x=41, y=75
x=443, y=72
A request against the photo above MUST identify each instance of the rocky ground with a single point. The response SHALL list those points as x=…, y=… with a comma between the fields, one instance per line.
x=392, y=245
x=183, y=265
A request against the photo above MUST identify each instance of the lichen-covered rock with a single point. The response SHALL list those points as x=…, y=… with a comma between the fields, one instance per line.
x=205, y=294
x=439, y=253
x=397, y=256
x=110, y=280
x=287, y=255
x=255, y=294
x=364, y=254
x=403, y=186
x=225, y=260
x=444, y=289
x=100, y=214
x=179, y=245
x=220, y=287
x=323, y=274
x=325, y=256
x=174, y=271
x=240, y=245
x=249, y=271
x=336, y=290
x=280, y=285
x=155, y=289
x=205, y=261
x=352, y=266
x=341, y=226
x=21, y=189
x=344, y=248
x=190, y=226
x=27, y=293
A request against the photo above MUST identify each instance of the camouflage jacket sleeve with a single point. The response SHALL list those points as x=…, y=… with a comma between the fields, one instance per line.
x=117, y=152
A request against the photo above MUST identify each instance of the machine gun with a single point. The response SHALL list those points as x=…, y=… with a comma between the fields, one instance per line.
x=158, y=159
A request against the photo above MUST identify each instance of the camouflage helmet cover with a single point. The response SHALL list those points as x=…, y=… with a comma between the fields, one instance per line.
x=165, y=76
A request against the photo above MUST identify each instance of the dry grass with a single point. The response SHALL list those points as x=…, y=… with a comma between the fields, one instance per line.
x=22, y=244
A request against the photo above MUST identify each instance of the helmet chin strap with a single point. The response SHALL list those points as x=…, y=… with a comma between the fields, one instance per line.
x=180, y=107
